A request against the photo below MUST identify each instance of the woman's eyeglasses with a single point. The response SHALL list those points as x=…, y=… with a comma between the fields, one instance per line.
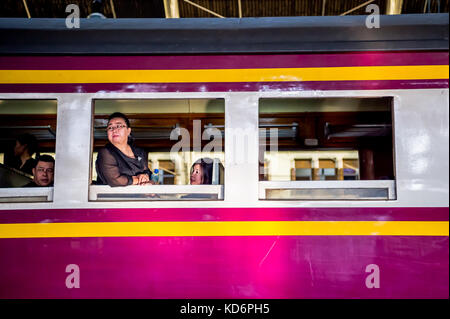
x=115, y=127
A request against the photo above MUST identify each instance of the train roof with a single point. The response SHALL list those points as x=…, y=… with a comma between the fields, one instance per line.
x=217, y=36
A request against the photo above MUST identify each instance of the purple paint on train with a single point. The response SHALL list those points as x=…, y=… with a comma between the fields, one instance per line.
x=223, y=61
x=224, y=214
x=224, y=86
x=226, y=267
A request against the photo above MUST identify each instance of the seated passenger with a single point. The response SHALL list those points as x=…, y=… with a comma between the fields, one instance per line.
x=201, y=174
x=43, y=172
x=119, y=163
x=26, y=145
x=202, y=171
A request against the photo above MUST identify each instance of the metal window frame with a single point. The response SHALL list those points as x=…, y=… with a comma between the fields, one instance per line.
x=95, y=191
x=324, y=185
x=390, y=185
x=30, y=194
x=26, y=194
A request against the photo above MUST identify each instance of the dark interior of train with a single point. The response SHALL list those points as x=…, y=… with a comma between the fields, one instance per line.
x=19, y=117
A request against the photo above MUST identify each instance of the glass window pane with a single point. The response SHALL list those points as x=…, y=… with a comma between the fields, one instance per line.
x=328, y=194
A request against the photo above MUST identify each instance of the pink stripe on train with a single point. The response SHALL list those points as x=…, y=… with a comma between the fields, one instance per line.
x=225, y=87
x=224, y=214
x=244, y=61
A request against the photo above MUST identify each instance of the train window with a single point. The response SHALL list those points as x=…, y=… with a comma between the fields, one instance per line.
x=302, y=170
x=167, y=174
x=350, y=170
x=326, y=149
x=172, y=135
x=27, y=148
x=327, y=169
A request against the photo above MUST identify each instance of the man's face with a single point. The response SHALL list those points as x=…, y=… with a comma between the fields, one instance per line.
x=43, y=173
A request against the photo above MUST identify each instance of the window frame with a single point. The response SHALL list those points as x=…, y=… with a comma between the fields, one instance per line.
x=389, y=185
x=9, y=195
x=96, y=191
x=26, y=194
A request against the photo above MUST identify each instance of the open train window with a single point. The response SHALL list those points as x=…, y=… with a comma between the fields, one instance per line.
x=326, y=149
x=171, y=136
x=27, y=150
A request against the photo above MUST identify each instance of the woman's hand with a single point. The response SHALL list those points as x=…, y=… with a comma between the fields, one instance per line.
x=150, y=182
x=143, y=179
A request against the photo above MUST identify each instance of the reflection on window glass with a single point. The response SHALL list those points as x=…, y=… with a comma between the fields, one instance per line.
x=302, y=170
x=27, y=142
x=307, y=165
x=167, y=172
x=327, y=170
x=351, y=169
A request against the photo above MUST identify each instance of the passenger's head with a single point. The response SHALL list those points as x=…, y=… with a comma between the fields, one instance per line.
x=43, y=171
x=118, y=129
x=201, y=172
x=25, y=143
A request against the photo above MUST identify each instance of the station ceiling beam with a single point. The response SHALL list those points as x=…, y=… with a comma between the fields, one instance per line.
x=26, y=8
x=357, y=7
x=394, y=6
x=240, y=8
x=171, y=8
x=203, y=8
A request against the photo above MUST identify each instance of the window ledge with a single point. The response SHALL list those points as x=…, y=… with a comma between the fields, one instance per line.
x=328, y=190
x=26, y=194
x=156, y=192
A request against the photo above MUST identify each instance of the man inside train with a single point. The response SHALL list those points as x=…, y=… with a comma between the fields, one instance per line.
x=43, y=172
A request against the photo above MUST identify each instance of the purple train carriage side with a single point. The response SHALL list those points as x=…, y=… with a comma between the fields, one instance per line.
x=330, y=141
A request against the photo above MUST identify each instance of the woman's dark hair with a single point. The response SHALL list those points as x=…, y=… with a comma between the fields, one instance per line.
x=207, y=169
x=121, y=115
x=127, y=122
x=30, y=141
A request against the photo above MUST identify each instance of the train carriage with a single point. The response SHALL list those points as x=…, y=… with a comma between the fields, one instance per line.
x=330, y=146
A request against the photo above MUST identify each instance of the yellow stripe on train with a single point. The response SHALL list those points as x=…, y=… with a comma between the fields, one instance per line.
x=417, y=72
x=232, y=228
